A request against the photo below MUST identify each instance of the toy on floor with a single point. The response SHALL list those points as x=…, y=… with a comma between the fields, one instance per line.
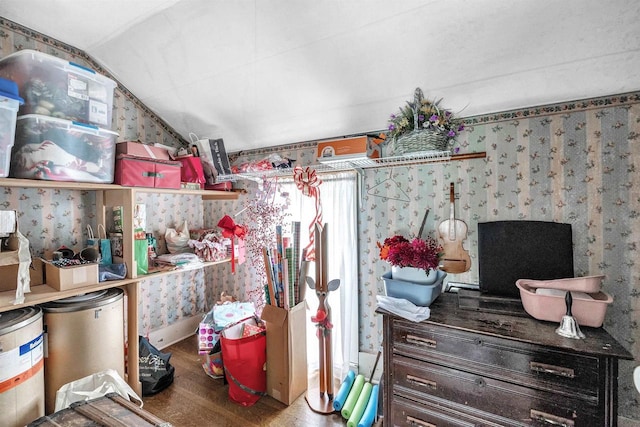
x=357, y=399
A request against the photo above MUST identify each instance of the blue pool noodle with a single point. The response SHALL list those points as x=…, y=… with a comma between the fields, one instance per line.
x=343, y=392
x=369, y=414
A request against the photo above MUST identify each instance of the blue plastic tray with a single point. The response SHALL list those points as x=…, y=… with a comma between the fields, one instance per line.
x=419, y=294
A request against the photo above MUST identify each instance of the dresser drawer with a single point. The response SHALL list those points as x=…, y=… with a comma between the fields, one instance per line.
x=408, y=413
x=468, y=392
x=532, y=365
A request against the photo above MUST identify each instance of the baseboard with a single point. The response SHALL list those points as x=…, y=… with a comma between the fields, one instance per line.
x=175, y=332
x=365, y=366
x=627, y=422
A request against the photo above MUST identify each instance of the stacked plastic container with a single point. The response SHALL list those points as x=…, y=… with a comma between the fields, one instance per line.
x=9, y=103
x=63, y=129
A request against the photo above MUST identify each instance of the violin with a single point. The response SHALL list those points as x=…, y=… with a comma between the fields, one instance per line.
x=452, y=232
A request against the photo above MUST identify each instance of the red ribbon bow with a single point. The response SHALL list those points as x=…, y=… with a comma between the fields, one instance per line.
x=308, y=182
x=321, y=319
x=232, y=230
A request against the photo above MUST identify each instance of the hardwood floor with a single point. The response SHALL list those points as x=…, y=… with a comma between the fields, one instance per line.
x=195, y=399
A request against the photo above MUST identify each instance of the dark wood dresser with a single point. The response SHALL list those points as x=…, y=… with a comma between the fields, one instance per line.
x=468, y=368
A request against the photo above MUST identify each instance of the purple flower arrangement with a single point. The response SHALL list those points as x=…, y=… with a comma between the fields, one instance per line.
x=418, y=253
x=429, y=115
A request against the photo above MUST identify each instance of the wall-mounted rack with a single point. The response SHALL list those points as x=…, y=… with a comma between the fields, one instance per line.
x=358, y=164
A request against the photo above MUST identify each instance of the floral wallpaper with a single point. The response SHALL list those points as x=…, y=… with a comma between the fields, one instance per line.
x=572, y=162
x=51, y=218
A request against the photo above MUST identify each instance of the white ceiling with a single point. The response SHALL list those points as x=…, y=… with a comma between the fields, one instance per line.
x=269, y=72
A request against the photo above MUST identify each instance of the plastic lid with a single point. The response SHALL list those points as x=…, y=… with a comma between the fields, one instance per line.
x=83, y=301
x=9, y=89
x=13, y=320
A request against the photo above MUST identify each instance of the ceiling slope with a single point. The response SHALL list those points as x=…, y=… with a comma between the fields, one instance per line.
x=265, y=73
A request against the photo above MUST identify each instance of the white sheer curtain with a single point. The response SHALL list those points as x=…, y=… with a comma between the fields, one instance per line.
x=339, y=198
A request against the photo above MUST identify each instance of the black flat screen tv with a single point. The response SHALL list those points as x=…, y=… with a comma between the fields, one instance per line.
x=512, y=250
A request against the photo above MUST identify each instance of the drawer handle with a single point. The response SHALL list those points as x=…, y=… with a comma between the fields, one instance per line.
x=551, y=419
x=416, y=422
x=412, y=339
x=551, y=369
x=421, y=381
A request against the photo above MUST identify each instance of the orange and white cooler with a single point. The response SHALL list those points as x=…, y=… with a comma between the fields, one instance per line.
x=21, y=366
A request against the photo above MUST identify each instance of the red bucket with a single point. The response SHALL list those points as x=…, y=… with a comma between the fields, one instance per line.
x=244, y=362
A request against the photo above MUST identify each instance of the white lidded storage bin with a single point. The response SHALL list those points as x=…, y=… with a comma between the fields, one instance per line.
x=84, y=335
x=9, y=105
x=55, y=87
x=61, y=150
x=21, y=367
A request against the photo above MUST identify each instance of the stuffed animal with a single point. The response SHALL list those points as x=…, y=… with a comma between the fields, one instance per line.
x=224, y=298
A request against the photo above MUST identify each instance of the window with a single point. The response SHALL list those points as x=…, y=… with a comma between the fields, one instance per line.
x=339, y=201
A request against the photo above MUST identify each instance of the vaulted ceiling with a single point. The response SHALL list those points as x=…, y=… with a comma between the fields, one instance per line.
x=269, y=72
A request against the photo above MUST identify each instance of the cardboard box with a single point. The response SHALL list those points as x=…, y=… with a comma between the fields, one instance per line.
x=359, y=147
x=65, y=278
x=138, y=172
x=9, y=275
x=139, y=149
x=286, y=352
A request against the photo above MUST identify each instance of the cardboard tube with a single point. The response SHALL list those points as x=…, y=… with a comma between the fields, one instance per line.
x=369, y=415
x=350, y=403
x=361, y=404
x=343, y=391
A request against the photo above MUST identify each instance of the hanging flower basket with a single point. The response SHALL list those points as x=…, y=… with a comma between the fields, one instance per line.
x=422, y=126
x=419, y=140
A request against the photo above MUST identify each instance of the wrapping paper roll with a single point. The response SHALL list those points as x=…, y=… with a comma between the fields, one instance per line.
x=369, y=415
x=361, y=405
x=350, y=403
x=343, y=392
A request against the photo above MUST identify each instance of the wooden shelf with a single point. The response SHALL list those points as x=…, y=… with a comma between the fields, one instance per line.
x=159, y=273
x=41, y=294
x=108, y=195
x=89, y=186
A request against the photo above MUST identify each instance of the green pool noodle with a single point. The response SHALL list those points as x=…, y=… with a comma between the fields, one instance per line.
x=361, y=404
x=350, y=403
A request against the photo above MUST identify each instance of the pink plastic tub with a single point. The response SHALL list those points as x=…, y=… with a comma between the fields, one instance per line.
x=588, y=309
x=588, y=284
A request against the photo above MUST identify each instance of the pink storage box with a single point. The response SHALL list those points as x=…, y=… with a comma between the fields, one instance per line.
x=192, y=170
x=138, y=172
x=139, y=149
x=549, y=304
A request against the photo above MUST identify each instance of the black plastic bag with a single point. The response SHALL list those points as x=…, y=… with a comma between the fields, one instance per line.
x=156, y=373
